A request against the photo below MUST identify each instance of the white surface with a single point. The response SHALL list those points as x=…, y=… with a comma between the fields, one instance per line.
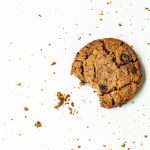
x=22, y=36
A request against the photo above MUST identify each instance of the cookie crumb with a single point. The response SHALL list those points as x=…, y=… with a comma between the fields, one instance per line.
x=104, y=145
x=119, y=24
x=40, y=15
x=146, y=8
x=19, y=84
x=62, y=99
x=53, y=63
x=123, y=145
x=90, y=34
x=145, y=136
x=49, y=44
x=38, y=124
x=109, y=2
x=79, y=38
x=79, y=146
x=26, y=108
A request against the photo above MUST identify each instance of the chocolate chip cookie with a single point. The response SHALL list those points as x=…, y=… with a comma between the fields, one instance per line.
x=111, y=67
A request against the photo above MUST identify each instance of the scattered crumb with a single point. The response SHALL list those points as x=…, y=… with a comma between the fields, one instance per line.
x=38, y=124
x=42, y=90
x=62, y=99
x=104, y=145
x=79, y=38
x=49, y=44
x=90, y=34
x=87, y=126
x=25, y=116
x=40, y=15
x=119, y=24
x=145, y=136
x=11, y=119
x=101, y=19
x=79, y=146
x=129, y=148
x=101, y=13
x=72, y=104
x=19, y=134
x=54, y=72
x=146, y=8
x=123, y=145
x=76, y=24
x=141, y=144
x=19, y=84
x=148, y=43
x=109, y=2
x=26, y=108
x=53, y=63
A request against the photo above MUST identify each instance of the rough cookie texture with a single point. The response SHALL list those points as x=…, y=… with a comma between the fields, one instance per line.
x=111, y=67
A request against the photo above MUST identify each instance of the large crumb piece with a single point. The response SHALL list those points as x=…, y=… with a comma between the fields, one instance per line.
x=38, y=124
x=62, y=99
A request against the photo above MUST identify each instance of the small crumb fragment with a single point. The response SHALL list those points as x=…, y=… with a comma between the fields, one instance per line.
x=129, y=148
x=25, y=116
x=53, y=63
x=146, y=8
x=104, y=145
x=40, y=15
x=109, y=2
x=72, y=104
x=145, y=136
x=101, y=13
x=19, y=84
x=26, y=108
x=38, y=124
x=49, y=44
x=90, y=34
x=148, y=43
x=119, y=24
x=79, y=146
x=123, y=145
x=11, y=119
x=79, y=38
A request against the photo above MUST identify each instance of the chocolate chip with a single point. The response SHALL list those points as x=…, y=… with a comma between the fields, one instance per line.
x=134, y=70
x=124, y=57
x=103, y=88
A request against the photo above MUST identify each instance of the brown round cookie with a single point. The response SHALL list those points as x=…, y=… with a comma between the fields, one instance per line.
x=111, y=67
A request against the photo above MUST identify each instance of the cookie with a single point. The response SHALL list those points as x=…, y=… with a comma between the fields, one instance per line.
x=111, y=67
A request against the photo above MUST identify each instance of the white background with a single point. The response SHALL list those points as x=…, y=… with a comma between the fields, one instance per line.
x=25, y=57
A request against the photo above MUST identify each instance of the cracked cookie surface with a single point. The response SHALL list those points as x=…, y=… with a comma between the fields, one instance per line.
x=111, y=67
